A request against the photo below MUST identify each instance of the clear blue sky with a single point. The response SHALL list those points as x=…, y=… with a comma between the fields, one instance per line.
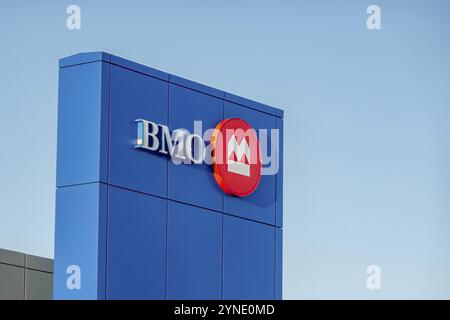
x=367, y=157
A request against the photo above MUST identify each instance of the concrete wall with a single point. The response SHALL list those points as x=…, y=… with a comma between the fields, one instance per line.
x=25, y=277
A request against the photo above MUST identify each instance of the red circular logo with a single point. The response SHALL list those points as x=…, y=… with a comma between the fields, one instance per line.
x=237, y=157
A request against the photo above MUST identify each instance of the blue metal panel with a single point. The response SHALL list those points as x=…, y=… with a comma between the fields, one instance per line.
x=85, y=57
x=82, y=124
x=197, y=87
x=248, y=259
x=194, y=253
x=139, y=68
x=136, y=96
x=136, y=245
x=278, y=263
x=194, y=183
x=260, y=205
x=80, y=240
x=253, y=105
x=279, y=176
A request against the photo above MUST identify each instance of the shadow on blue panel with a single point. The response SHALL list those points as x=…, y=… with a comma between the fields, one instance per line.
x=194, y=253
x=248, y=259
x=136, y=263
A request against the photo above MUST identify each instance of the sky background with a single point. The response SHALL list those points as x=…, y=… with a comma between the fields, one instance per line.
x=367, y=122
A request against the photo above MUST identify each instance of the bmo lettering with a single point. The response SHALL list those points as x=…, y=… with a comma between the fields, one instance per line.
x=180, y=145
x=238, y=147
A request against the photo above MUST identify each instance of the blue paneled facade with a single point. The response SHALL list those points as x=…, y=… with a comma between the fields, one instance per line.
x=137, y=225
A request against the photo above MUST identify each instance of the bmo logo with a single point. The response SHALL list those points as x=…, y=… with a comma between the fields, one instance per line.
x=232, y=148
x=237, y=157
